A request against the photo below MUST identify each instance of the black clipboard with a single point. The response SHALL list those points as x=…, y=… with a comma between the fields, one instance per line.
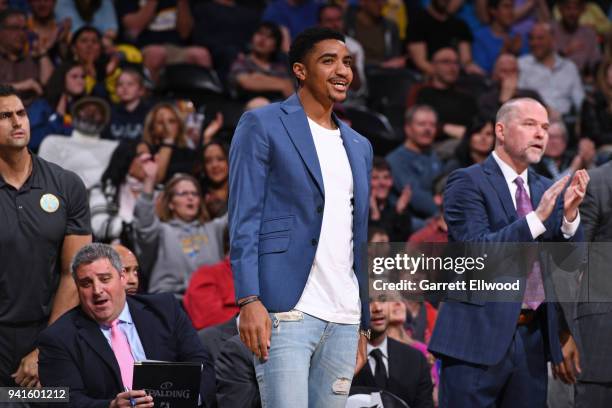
x=171, y=384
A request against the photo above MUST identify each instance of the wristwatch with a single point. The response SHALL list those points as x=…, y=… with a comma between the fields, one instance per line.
x=365, y=333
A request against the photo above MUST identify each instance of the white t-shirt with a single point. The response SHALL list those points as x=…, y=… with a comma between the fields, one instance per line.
x=332, y=289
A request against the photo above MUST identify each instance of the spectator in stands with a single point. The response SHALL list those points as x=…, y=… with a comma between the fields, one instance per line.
x=224, y=27
x=164, y=138
x=262, y=72
x=434, y=29
x=414, y=163
x=50, y=115
x=49, y=35
x=558, y=161
x=505, y=86
x=18, y=68
x=214, y=176
x=441, y=95
x=397, y=313
x=498, y=37
x=527, y=13
x=181, y=237
x=332, y=16
x=161, y=28
x=393, y=366
x=293, y=16
x=130, y=268
x=555, y=78
x=592, y=16
x=394, y=219
x=573, y=41
x=128, y=116
x=476, y=145
x=83, y=152
x=99, y=14
x=378, y=36
x=91, y=349
x=100, y=69
x=113, y=199
x=210, y=298
x=597, y=109
x=436, y=229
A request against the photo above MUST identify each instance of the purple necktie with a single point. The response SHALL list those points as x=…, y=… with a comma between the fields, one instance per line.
x=534, y=292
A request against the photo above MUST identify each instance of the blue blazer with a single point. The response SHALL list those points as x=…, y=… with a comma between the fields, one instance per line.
x=276, y=201
x=74, y=353
x=478, y=208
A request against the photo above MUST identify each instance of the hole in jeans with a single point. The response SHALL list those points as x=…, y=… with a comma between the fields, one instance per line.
x=341, y=386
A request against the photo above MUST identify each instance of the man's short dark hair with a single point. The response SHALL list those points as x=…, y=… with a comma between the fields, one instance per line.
x=4, y=15
x=307, y=39
x=380, y=164
x=7, y=90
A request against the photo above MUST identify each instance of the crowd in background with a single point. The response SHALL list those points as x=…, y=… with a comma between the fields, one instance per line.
x=141, y=98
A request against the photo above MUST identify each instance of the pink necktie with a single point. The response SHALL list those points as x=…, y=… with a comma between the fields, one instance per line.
x=534, y=292
x=123, y=354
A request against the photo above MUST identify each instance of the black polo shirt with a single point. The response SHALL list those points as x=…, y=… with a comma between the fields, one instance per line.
x=33, y=222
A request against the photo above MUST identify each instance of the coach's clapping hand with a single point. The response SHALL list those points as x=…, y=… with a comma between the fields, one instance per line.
x=547, y=203
x=575, y=194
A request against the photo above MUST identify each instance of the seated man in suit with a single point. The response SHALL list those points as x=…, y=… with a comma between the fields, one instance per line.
x=393, y=366
x=92, y=348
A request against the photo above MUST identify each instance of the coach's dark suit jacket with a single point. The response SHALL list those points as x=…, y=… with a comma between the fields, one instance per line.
x=74, y=353
x=409, y=375
x=595, y=318
x=478, y=208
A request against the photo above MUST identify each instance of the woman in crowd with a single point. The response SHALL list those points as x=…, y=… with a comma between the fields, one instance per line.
x=164, y=137
x=213, y=177
x=50, y=115
x=180, y=237
x=476, y=145
x=112, y=201
x=101, y=71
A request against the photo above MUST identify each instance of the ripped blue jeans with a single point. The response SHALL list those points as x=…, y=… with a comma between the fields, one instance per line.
x=311, y=362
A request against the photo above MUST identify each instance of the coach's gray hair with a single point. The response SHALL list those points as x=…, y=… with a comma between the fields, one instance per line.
x=91, y=253
x=508, y=109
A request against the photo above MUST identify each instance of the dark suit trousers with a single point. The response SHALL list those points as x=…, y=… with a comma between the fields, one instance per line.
x=15, y=343
x=518, y=380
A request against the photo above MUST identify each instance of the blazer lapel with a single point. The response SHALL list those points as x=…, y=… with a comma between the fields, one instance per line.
x=90, y=332
x=358, y=167
x=497, y=180
x=297, y=127
x=142, y=320
x=535, y=188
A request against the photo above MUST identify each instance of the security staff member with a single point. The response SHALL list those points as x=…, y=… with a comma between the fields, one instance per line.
x=45, y=219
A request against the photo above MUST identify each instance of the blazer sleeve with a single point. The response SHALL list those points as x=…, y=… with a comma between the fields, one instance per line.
x=57, y=368
x=465, y=213
x=249, y=167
